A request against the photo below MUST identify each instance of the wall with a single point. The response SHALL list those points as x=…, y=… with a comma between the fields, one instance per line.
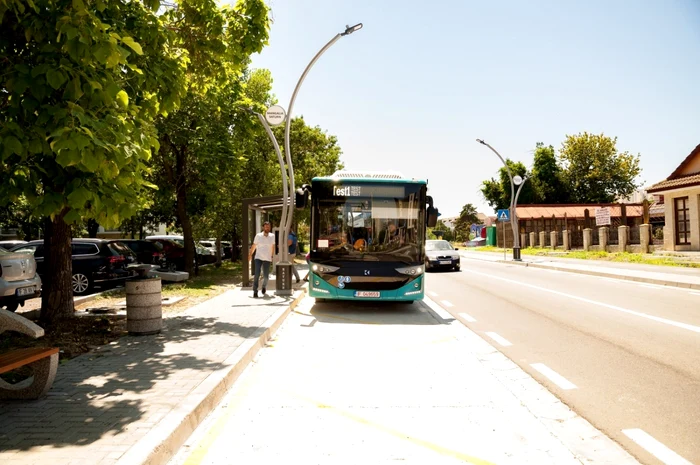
x=693, y=194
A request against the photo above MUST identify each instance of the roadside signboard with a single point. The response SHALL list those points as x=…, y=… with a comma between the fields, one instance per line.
x=503, y=215
x=275, y=115
x=602, y=216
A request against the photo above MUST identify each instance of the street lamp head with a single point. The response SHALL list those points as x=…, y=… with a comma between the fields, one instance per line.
x=350, y=29
x=481, y=141
x=517, y=180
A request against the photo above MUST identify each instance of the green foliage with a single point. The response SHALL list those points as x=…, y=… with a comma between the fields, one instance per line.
x=594, y=171
x=467, y=217
x=588, y=169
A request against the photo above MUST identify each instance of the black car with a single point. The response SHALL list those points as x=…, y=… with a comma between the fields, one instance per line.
x=147, y=252
x=95, y=262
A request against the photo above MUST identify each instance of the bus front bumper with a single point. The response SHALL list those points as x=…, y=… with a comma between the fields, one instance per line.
x=320, y=289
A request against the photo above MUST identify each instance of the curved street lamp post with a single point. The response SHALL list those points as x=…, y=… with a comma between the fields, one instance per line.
x=514, y=181
x=284, y=267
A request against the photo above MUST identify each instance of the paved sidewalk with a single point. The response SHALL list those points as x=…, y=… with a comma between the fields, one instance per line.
x=136, y=400
x=688, y=278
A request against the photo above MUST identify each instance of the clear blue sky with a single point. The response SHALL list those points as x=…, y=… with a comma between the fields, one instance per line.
x=422, y=80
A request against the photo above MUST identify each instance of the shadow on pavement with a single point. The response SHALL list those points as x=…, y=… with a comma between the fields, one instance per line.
x=102, y=393
x=373, y=313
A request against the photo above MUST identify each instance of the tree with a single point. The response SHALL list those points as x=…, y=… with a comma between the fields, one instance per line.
x=81, y=84
x=594, y=171
x=195, y=140
x=547, y=177
x=440, y=226
x=467, y=217
x=497, y=192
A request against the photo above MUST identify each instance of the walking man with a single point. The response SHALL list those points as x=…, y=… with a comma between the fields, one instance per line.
x=292, y=243
x=263, y=247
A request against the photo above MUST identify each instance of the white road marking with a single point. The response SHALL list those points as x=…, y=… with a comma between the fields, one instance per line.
x=678, y=324
x=441, y=312
x=433, y=294
x=652, y=286
x=654, y=447
x=468, y=318
x=500, y=339
x=447, y=303
x=553, y=376
x=694, y=293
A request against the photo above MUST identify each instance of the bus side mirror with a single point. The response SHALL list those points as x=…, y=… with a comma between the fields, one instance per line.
x=432, y=213
x=301, y=197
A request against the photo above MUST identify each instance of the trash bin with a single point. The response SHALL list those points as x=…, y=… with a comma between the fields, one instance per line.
x=144, y=313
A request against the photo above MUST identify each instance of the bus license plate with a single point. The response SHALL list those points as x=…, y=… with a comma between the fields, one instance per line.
x=22, y=291
x=367, y=294
x=445, y=262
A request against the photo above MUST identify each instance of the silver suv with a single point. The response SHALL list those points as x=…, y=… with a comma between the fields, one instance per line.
x=18, y=279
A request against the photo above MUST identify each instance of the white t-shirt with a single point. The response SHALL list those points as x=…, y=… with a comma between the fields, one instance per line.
x=264, y=246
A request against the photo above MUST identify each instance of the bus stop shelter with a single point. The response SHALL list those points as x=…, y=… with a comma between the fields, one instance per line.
x=255, y=210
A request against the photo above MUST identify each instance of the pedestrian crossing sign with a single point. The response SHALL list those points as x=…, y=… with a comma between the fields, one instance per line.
x=503, y=215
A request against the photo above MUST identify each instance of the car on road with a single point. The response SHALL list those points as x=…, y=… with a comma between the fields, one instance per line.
x=96, y=262
x=19, y=280
x=441, y=255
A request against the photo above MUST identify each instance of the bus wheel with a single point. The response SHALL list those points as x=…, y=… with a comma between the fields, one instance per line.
x=407, y=302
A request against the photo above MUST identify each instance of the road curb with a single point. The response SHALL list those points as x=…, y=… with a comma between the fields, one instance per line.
x=163, y=441
x=639, y=279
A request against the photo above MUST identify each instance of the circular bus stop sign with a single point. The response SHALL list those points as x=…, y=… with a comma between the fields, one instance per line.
x=275, y=115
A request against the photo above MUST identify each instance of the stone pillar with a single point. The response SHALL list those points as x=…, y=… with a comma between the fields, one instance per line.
x=645, y=237
x=542, y=233
x=587, y=239
x=566, y=239
x=603, y=238
x=553, y=239
x=622, y=237
x=533, y=240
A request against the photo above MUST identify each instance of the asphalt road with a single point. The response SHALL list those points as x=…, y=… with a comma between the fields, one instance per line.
x=624, y=355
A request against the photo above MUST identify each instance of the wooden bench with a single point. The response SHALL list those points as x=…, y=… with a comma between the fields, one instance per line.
x=43, y=361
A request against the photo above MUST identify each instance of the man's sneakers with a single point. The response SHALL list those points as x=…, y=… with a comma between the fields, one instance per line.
x=264, y=291
x=255, y=294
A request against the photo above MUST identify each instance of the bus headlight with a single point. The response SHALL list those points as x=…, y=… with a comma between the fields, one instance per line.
x=318, y=268
x=411, y=270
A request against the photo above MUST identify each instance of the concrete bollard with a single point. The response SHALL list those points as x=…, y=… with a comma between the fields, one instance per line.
x=533, y=239
x=144, y=313
x=622, y=237
x=603, y=238
x=553, y=239
x=542, y=233
x=566, y=240
x=523, y=240
x=587, y=239
x=645, y=237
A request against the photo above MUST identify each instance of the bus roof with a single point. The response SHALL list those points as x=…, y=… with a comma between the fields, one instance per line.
x=369, y=176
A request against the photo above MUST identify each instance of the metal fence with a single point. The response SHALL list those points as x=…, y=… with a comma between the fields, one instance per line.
x=576, y=239
x=595, y=237
x=613, y=238
x=634, y=235
x=657, y=234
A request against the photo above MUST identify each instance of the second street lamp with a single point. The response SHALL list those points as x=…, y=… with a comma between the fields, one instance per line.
x=513, y=214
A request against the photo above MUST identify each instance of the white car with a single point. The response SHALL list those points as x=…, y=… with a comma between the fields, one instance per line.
x=18, y=279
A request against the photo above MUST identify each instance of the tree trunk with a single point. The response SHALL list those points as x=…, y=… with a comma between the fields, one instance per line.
x=181, y=191
x=57, y=289
x=218, y=252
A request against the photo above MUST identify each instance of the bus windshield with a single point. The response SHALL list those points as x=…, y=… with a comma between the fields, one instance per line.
x=371, y=227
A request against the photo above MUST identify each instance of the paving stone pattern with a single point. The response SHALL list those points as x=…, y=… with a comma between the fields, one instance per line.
x=103, y=402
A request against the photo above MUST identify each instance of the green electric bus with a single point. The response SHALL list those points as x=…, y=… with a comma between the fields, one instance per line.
x=367, y=236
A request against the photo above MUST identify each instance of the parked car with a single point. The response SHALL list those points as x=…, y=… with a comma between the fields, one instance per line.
x=203, y=256
x=174, y=251
x=19, y=281
x=228, y=249
x=7, y=245
x=147, y=252
x=98, y=262
x=210, y=244
x=441, y=255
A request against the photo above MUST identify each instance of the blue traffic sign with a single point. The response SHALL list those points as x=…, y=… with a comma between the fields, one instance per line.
x=503, y=215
